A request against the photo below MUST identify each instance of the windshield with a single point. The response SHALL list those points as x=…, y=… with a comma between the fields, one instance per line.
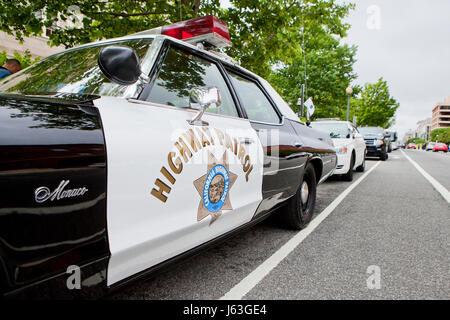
x=335, y=130
x=73, y=71
x=371, y=131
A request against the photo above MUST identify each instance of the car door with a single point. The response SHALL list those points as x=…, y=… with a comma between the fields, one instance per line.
x=283, y=157
x=317, y=145
x=360, y=144
x=173, y=186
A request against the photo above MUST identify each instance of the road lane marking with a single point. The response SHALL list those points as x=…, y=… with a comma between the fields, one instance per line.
x=439, y=187
x=257, y=275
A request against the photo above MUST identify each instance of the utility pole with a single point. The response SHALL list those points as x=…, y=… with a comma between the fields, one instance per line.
x=303, y=98
x=349, y=93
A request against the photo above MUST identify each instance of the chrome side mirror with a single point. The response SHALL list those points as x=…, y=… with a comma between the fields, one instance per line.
x=203, y=98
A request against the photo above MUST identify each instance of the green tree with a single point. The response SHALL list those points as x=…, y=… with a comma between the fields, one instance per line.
x=415, y=140
x=440, y=134
x=445, y=137
x=377, y=107
x=267, y=33
x=267, y=36
x=91, y=20
x=263, y=33
x=329, y=69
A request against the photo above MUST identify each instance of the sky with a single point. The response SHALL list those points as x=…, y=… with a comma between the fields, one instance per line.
x=407, y=42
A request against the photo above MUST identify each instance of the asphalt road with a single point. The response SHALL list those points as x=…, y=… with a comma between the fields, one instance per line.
x=394, y=222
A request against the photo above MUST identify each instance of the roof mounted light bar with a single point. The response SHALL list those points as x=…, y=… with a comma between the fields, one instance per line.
x=209, y=31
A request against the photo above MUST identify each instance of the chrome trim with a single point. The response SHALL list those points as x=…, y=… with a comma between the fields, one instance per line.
x=276, y=171
x=159, y=105
x=268, y=123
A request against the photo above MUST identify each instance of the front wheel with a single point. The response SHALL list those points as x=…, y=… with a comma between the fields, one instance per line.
x=384, y=156
x=300, y=208
x=362, y=167
x=349, y=175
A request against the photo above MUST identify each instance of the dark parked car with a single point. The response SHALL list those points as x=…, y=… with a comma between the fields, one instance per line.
x=377, y=142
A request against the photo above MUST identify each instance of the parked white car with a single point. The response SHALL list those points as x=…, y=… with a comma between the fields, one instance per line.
x=349, y=143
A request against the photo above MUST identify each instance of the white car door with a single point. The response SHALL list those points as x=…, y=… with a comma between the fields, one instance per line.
x=171, y=185
x=360, y=145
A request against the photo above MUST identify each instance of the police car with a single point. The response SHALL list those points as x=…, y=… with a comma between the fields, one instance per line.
x=121, y=156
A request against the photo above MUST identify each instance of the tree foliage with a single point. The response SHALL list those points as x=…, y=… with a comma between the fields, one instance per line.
x=263, y=32
x=91, y=20
x=416, y=141
x=269, y=32
x=441, y=135
x=267, y=36
x=376, y=106
x=329, y=71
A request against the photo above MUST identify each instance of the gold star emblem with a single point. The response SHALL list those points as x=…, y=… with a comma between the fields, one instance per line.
x=214, y=188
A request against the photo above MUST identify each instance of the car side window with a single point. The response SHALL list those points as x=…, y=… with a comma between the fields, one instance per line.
x=180, y=73
x=254, y=101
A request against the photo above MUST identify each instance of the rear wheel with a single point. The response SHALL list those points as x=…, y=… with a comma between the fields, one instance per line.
x=300, y=208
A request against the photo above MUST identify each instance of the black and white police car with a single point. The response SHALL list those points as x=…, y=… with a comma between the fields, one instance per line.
x=121, y=156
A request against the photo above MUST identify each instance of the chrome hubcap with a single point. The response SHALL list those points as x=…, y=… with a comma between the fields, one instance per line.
x=304, y=192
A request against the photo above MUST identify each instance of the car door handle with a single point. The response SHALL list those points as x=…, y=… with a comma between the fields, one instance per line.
x=298, y=144
x=246, y=140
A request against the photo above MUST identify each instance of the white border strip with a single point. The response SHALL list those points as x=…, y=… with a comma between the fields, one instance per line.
x=251, y=280
x=439, y=187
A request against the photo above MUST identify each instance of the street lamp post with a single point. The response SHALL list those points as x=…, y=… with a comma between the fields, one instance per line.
x=349, y=93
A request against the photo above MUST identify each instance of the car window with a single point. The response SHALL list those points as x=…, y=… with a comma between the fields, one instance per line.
x=254, y=101
x=180, y=73
x=73, y=71
x=336, y=130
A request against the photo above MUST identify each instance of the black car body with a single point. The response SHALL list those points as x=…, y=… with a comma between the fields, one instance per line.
x=377, y=142
x=105, y=182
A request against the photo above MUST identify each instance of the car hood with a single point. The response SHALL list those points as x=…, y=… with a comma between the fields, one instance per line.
x=339, y=142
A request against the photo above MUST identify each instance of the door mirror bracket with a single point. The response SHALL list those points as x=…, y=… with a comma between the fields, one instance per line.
x=203, y=98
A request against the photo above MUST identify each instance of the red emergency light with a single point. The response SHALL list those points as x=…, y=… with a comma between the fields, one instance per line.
x=209, y=29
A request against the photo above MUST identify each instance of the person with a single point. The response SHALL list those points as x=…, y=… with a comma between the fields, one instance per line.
x=11, y=66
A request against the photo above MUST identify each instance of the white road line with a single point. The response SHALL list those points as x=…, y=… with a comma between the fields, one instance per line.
x=251, y=280
x=439, y=187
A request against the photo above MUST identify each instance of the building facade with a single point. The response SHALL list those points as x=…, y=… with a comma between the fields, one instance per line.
x=408, y=135
x=441, y=115
x=423, y=129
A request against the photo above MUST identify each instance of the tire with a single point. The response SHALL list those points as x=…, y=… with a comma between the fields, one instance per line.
x=296, y=215
x=349, y=175
x=362, y=167
x=383, y=157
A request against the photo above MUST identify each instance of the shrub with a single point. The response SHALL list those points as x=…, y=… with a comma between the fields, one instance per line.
x=441, y=135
